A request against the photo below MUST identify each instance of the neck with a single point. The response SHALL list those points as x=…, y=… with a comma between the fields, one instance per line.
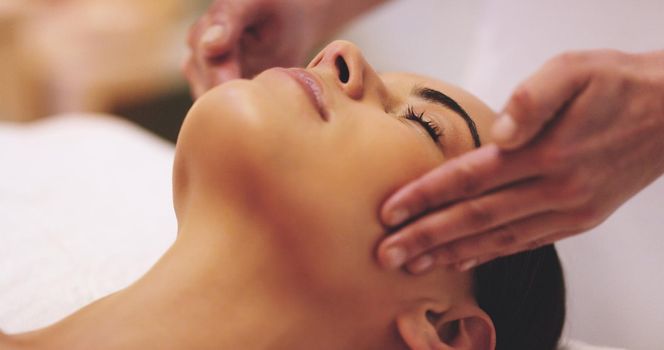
x=210, y=290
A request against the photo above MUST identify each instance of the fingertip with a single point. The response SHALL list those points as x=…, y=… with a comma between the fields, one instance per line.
x=214, y=39
x=394, y=212
x=467, y=264
x=504, y=129
x=507, y=133
x=397, y=216
x=422, y=264
x=384, y=215
x=393, y=257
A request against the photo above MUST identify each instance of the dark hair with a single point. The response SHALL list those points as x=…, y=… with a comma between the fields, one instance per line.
x=524, y=294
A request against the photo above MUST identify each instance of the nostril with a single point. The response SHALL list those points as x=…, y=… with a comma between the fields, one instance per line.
x=342, y=67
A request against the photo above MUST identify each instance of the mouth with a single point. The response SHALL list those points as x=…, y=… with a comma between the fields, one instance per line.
x=311, y=86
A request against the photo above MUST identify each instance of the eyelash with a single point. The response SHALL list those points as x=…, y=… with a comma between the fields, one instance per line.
x=431, y=127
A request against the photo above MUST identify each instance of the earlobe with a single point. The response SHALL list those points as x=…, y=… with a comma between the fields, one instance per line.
x=462, y=327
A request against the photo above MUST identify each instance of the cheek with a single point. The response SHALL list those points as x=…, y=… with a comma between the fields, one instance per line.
x=383, y=154
x=355, y=172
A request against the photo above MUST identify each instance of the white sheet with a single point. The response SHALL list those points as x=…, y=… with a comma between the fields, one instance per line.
x=85, y=209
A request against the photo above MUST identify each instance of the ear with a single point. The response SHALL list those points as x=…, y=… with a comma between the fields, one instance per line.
x=462, y=327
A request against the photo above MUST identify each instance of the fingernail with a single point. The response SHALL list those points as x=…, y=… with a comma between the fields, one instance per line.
x=504, y=129
x=422, y=263
x=213, y=34
x=398, y=216
x=468, y=264
x=395, y=257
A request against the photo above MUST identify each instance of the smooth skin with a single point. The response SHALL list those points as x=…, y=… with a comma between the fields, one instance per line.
x=576, y=140
x=277, y=208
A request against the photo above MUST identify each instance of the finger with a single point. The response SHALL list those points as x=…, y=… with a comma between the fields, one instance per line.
x=217, y=40
x=474, y=262
x=513, y=237
x=466, y=176
x=551, y=239
x=195, y=32
x=196, y=65
x=433, y=259
x=198, y=88
x=539, y=98
x=221, y=71
x=198, y=81
x=203, y=74
x=226, y=23
x=190, y=71
x=470, y=217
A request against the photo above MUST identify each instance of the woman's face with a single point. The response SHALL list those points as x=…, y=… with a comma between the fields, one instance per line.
x=314, y=152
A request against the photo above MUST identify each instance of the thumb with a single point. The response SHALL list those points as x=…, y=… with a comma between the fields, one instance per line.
x=223, y=32
x=538, y=100
x=522, y=119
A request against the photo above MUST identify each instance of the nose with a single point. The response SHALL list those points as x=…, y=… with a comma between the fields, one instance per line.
x=352, y=74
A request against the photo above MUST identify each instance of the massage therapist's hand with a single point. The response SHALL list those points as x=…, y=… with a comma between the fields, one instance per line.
x=240, y=38
x=575, y=141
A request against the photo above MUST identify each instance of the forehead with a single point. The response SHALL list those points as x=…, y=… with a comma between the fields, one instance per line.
x=401, y=85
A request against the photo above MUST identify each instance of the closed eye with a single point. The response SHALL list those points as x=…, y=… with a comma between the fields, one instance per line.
x=428, y=125
x=436, y=96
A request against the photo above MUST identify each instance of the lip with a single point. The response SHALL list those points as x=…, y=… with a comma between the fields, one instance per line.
x=311, y=85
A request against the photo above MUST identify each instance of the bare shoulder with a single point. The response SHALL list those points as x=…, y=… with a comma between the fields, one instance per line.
x=6, y=342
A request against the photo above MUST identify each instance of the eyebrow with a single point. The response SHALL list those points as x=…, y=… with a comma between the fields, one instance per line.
x=438, y=97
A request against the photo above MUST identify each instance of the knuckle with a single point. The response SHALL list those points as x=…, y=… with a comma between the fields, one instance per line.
x=609, y=76
x=421, y=200
x=504, y=237
x=469, y=183
x=588, y=217
x=552, y=193
x=576, y=190
x=448, y=253
x=609, y=57
x=551, y=158
x=479, y=214
x=523, y=101
x=423, y=239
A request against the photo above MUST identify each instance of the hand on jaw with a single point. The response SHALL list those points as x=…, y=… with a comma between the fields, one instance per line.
x=575, y=141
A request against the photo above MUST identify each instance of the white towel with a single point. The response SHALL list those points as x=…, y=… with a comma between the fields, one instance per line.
x=85, y=209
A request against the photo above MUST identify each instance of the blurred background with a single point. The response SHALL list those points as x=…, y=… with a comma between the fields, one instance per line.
x=122, y=57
